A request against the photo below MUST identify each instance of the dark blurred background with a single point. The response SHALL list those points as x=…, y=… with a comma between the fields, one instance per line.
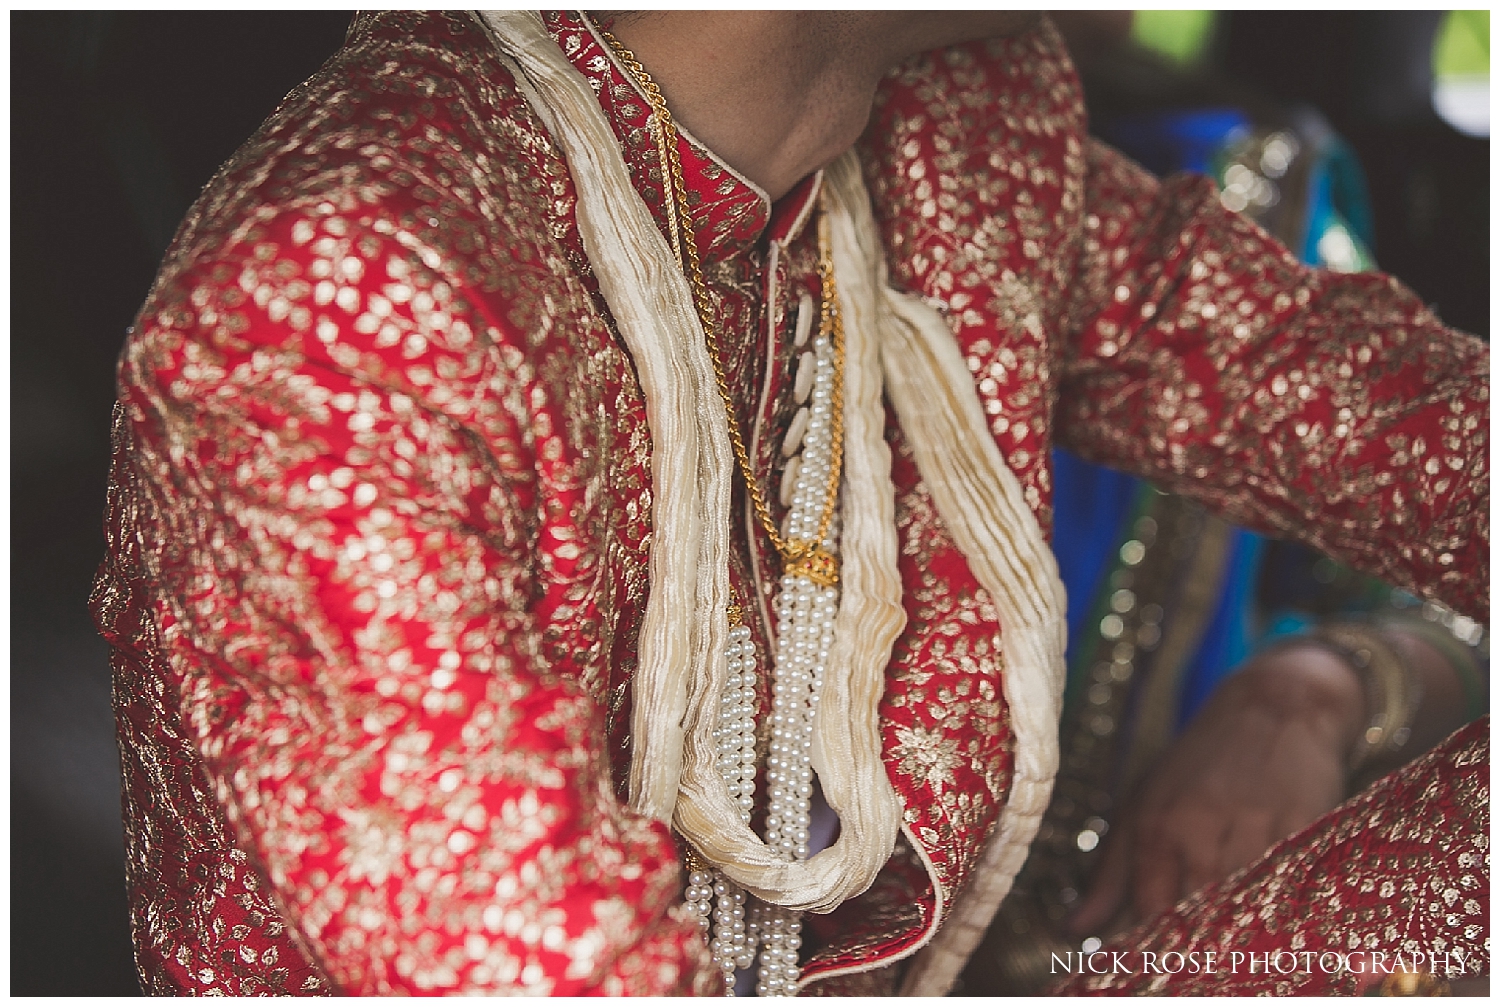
x=117, y=121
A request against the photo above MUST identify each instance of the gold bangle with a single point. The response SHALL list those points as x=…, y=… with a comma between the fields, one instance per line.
x=1467, y=660
x=1391, y=690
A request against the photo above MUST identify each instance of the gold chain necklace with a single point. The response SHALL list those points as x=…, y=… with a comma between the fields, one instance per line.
x=804, y=557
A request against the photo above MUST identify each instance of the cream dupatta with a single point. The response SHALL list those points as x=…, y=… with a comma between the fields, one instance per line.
x=896, y=346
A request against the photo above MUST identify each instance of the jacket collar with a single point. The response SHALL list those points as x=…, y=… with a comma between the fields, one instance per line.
x=730, y=213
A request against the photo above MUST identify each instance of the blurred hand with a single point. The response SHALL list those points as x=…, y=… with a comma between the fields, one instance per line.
x=1265, y=757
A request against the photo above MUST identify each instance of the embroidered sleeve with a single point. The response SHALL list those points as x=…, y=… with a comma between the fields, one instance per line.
x=1395, y=879
x=1332, y=408
x=334, y=495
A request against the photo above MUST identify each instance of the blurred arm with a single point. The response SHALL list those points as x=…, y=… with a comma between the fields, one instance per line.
x=1331, y=408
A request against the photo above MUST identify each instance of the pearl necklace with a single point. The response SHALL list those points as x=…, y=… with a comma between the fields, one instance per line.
x=805, y=612
x=806, y=606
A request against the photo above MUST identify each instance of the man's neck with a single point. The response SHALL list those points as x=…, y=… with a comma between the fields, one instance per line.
x=780, y=94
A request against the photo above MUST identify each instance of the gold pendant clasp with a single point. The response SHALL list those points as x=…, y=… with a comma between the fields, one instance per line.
x=810, y=560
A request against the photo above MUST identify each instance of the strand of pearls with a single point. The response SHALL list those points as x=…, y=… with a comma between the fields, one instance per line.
x=805, y=613
x=734, y=934
x=736, y=731
x=780, y=938
x=733, y=944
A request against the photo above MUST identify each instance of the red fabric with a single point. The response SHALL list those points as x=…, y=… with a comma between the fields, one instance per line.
x=380, y=507
x=1397, y=878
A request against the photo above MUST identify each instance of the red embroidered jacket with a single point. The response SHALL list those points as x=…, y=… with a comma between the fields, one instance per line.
x=380, y=507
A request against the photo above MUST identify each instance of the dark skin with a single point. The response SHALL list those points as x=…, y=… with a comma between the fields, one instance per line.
x=780, y=94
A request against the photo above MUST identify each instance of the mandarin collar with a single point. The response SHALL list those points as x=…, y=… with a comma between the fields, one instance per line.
x=731, y=214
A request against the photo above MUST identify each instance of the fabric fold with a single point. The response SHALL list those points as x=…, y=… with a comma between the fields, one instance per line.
x=682, y=668
x=895, y=346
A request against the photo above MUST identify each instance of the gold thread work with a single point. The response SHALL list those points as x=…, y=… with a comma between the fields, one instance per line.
x=807, y=558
